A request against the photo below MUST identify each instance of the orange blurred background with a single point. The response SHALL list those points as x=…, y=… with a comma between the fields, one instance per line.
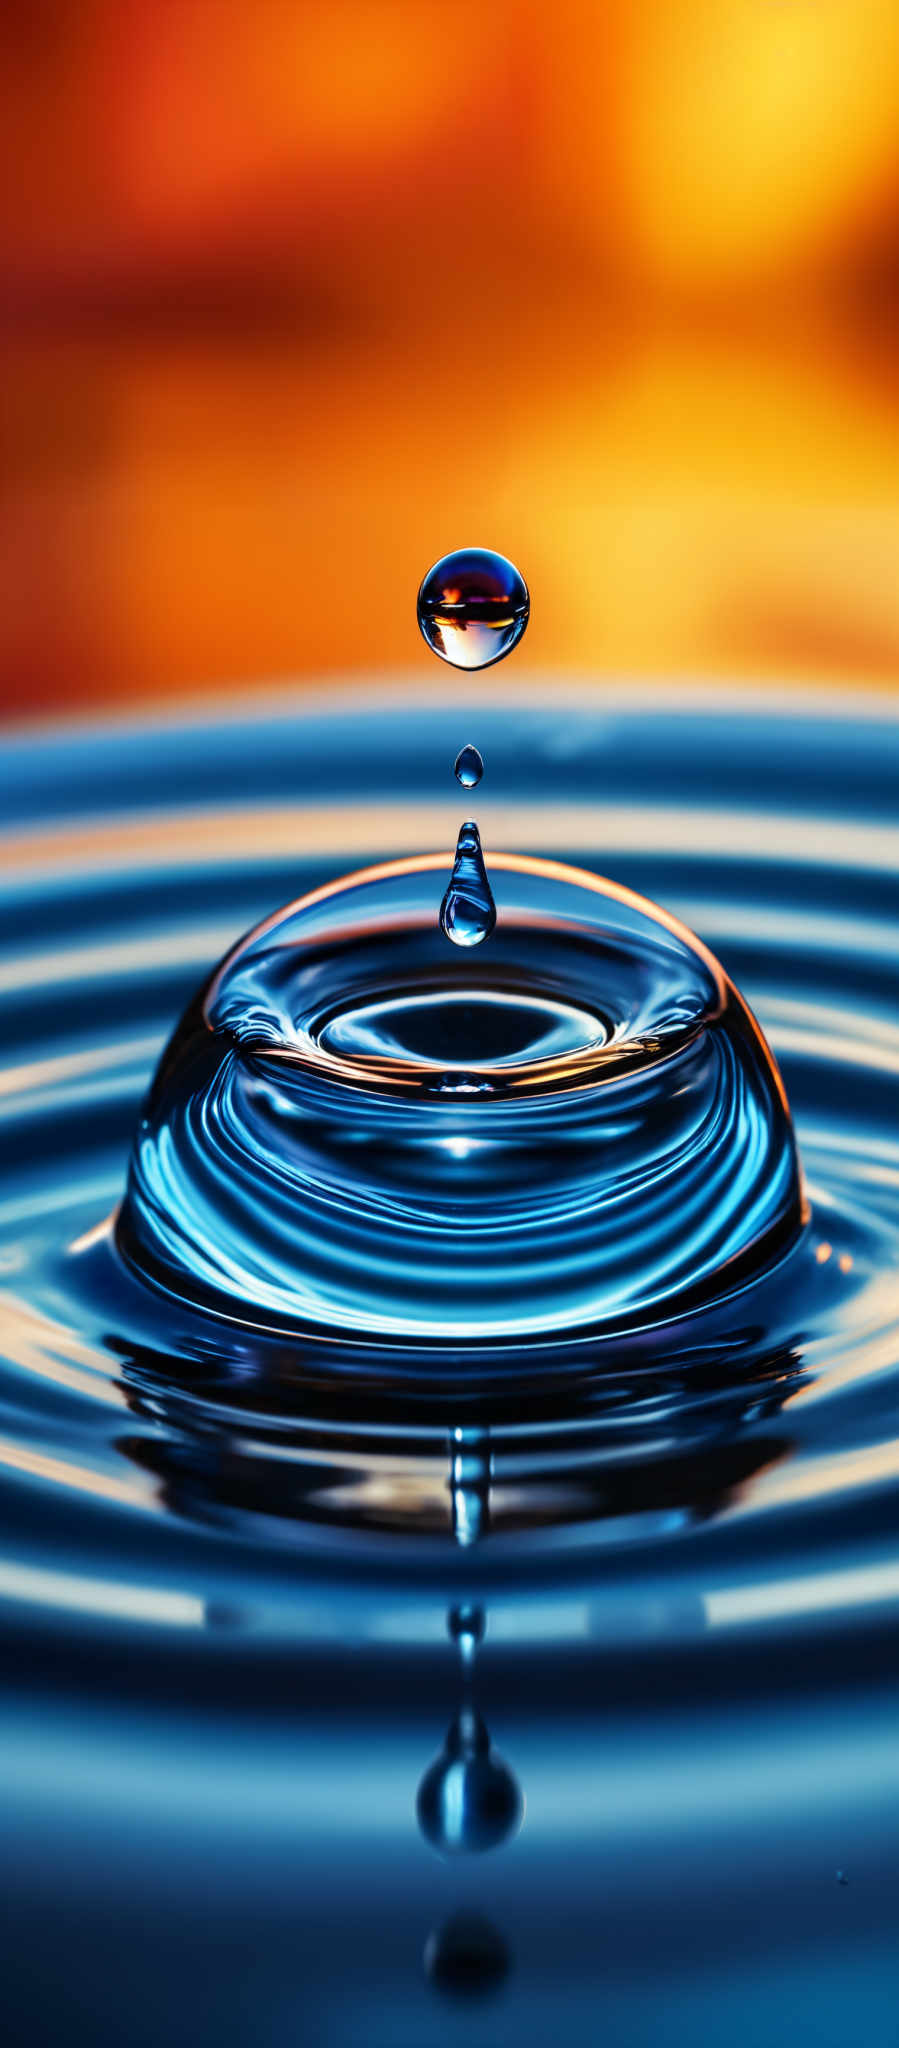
x=296, y=297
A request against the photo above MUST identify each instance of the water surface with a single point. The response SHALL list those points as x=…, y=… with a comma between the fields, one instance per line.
x=227, y=1655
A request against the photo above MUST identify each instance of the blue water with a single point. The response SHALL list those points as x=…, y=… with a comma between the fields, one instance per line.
x=232, y=1547
x=549, y=1159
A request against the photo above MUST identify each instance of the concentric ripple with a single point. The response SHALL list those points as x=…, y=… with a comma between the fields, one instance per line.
x=284, y=1610
x=160, y=1437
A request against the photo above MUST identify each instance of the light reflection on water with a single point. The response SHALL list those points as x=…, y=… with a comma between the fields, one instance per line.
x=225, y=1644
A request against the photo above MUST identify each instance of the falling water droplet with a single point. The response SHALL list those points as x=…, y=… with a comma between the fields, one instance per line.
x=468, y=912
x=473, y=607
x=468, y=767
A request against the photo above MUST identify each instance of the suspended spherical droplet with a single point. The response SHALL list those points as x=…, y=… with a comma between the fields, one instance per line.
x=468, y=767
x=473, y=607
x=468, y=912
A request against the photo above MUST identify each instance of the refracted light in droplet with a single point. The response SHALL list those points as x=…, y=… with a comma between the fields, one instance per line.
x=468, y=912
x=473, y=607
x=468, y=767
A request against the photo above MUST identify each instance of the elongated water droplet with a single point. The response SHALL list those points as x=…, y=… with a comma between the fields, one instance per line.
x=468, y=767
x=473, y=607
x=468, y=912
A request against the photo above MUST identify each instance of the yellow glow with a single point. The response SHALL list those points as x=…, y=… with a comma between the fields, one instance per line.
x=35, y=1344
x=756, y=132
x=108, y=1598
x=301, y=300
x=81, y=1478
x=169, y=839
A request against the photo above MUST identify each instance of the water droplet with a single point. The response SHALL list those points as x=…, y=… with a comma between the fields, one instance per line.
x=841, y=1877
x=468, y=767
x=466, y=1957
x=473, y=607
x=468, y=1800
x=468, y=912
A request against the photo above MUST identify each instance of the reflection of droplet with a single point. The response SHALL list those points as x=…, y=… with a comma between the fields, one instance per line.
x=473, y=607
x=468, y=767
x=470, y=1484
x=466, y=1957
x=462, y=1084
x=468, y=912
x=466, y=1626
x=468, y=1800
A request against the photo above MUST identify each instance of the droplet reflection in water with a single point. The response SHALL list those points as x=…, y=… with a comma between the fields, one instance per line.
x=466, y=1627
x=473, y=607
x=468, y=1800
x=470, y=1484
x=468, y=912
x=466, y=1957
x=468, y=767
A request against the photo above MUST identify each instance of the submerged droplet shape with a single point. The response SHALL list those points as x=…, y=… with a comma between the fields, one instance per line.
x=468, y=767
x=473, y=607
x=467, y=1957
x=468, y=912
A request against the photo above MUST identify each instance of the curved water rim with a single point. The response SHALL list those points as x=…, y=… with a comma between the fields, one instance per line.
x=391, y=902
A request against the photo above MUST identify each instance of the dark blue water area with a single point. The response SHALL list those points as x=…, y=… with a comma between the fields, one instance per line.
x=662, y=1764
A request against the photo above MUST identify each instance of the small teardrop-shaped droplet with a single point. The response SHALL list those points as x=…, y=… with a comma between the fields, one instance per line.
x=473, y=607
x=468, y=912
x=468, y=767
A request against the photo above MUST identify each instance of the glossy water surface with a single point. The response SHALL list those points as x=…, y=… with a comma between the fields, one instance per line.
x=481, y=1175
x=622, y=1643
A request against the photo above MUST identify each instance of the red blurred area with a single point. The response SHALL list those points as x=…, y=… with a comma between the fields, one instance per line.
x=295, y=298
